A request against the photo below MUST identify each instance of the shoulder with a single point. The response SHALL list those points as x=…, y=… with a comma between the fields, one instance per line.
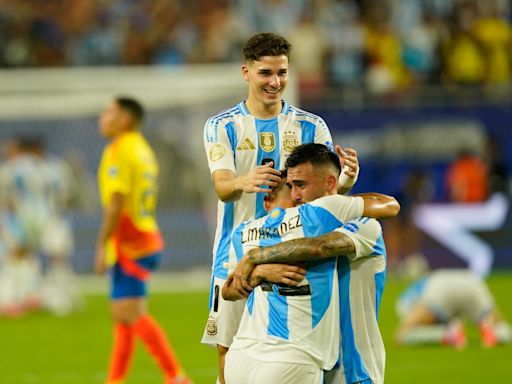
x=301, y=114
x=227, y=115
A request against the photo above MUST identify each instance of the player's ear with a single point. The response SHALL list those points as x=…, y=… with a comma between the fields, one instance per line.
x=332, y=182
x=266, y=203
x=245, y=72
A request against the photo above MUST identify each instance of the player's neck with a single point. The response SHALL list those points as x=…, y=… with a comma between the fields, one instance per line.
x=261, y=111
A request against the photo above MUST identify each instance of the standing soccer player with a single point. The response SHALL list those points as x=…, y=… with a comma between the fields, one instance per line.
x=129, y=241
x=245, y=146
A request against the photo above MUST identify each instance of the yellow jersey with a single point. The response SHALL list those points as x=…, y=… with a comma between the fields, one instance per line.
x=129, y=167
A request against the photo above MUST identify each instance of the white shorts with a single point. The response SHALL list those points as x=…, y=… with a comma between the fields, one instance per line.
x=457, y=293
x=224, y=317
x=241, y=368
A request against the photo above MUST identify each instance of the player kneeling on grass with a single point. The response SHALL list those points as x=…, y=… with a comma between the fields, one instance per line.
x=432, y=309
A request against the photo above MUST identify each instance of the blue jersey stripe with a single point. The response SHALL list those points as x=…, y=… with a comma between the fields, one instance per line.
x=379, y=248
x=353, y=364
x=308, y=132
x=250, y=303
x=380, y=281
x=278, y=315
x=225, y=240
x=317, y=221
x=263, y=127
x=237, y=241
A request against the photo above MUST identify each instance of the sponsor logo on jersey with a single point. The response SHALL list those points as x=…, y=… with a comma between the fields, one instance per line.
x=245, y=145
x=217, y=152
x=267, y=141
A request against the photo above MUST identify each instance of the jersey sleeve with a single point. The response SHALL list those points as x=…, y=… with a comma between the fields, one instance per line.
x=218, y=147
x=118, y=172
x=344, y=208
x=365, y=233
x=323, y=135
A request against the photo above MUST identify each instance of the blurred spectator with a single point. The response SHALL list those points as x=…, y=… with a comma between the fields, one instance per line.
x=383, y=44
x=342, y=26
x=383, y=49
x=494, y=35
x=465, y=62
x=466, y=179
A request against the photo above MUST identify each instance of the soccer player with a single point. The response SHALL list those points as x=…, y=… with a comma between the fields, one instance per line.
x=245, y=146
x=288, y=335
x=129, y=241
x=432, y=308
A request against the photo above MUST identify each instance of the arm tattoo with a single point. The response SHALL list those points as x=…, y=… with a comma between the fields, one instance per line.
x=316, y=248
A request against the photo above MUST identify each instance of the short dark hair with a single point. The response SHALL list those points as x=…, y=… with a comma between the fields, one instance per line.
x=266, y=44
x=132, y=106
x=316, y=154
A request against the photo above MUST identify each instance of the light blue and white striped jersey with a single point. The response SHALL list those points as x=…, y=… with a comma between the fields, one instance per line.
x=237, y=141
x=361, y=279
x=295, y=329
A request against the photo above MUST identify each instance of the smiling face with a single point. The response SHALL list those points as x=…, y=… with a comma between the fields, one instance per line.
x=267, y=78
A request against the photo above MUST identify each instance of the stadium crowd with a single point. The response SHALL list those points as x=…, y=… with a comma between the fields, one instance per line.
x=387, y=45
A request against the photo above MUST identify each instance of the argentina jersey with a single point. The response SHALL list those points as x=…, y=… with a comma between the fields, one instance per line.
x=295, y=328
x=361, y=279
x=235, y=140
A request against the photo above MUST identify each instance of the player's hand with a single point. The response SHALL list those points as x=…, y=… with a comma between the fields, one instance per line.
x=259, y=176
x=348, y=161
x=100, y=265
x=279, y=273
x=231, y=292
x=242, y=288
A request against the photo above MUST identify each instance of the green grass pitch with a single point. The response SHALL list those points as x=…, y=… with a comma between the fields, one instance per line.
x=41, y=348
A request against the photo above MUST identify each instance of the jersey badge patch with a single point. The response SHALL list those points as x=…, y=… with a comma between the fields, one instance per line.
x=217, y=152
x=267, y=141
x=211, y=326
x=290, y=141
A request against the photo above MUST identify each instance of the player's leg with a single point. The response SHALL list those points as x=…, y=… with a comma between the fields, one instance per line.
x=480, y=307
x=60, y=293
x=422, y=326
x=222, y=324
x=129, y=308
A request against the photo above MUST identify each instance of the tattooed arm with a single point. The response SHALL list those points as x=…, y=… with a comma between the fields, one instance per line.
x=292, y=251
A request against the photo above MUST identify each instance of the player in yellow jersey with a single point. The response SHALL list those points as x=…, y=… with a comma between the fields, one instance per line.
x=129, y=242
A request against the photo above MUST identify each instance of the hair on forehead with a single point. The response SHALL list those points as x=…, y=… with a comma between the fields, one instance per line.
x=316, y=154
x=266, y=44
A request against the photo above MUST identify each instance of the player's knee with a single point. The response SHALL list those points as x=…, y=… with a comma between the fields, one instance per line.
x=127, y=311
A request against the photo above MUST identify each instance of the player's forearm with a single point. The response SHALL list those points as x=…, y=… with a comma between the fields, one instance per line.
x=111, y=218
x=227, y=189
x=379, y=206
x=322, y=247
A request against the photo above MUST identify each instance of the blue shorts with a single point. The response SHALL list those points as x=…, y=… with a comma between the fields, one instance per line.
x=124, y=285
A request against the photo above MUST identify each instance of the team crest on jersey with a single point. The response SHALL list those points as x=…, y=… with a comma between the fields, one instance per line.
x=290, y=141
x=217, y=152
x=267, y=141
x=275, y=213
x=113, y=171
x=211, y=326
